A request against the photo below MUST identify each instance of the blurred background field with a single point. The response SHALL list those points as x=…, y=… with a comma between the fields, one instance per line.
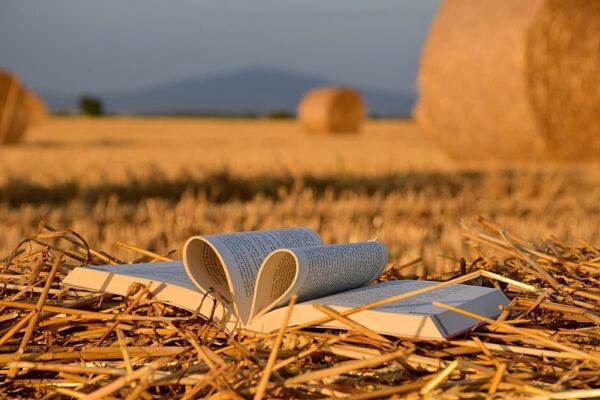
x=155, y=181
x=113, y=149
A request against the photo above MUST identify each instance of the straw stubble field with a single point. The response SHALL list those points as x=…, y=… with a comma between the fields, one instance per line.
x=155, y=181
x=63, y=343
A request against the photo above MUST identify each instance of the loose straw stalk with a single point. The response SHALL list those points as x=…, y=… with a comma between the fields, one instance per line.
x=262, y=386
x=36, y=312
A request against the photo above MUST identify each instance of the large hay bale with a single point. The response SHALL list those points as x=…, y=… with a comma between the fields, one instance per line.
x=37, y=110
x=513, y=79
x=332, y=109
x=564, y=76
x=13, y=113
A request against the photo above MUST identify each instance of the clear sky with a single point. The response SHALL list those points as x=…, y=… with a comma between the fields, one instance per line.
x=118, y=45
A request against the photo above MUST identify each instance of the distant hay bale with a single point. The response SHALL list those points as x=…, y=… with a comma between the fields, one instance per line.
x=36, y=108
x=513, y=79
x=13, y=113
x=332, y=109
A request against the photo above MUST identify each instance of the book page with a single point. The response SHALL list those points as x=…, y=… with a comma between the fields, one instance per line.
x=315, y=272
x=167, y=272
x=229, y=263
x=478, y=299
x=455, y=295
x=168, y=282
x=411, y=317
x=389, y=323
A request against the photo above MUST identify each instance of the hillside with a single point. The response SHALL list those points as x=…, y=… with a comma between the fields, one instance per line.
x=251, y=91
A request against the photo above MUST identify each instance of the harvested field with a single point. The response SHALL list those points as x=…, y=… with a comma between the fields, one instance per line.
x=108, y=150
x=59, y=343
x=153, y=182
x=110, y=180
x=417, y=215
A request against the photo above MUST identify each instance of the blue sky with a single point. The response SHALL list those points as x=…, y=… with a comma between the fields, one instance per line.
x=119, y=45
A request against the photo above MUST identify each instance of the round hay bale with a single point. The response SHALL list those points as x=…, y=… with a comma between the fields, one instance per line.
x=13, y=113
x=513, y=79
x=37, y=110
x=564, y=76
x=332, y=109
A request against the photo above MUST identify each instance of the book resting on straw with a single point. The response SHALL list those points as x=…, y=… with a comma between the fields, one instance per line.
x=254, y=274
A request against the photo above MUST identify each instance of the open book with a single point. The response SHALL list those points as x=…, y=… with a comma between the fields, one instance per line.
x=254, y=275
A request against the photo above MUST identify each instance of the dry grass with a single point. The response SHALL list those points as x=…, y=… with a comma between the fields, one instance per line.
x=155, y=182
x=417, y=215
x=97, y=151
x=59, y=343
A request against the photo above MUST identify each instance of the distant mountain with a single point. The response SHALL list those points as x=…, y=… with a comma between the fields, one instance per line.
x=251, y=91
x=59, y=102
